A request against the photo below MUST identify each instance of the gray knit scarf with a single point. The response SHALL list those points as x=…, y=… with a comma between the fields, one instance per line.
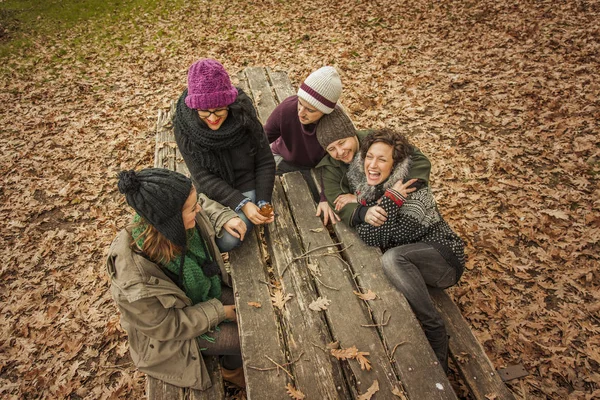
x=211, y=148
x=366, y=193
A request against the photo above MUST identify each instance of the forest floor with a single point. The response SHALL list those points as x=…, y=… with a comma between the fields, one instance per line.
x=503, y=96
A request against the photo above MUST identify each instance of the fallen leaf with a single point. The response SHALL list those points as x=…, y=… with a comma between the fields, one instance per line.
x=370, y=391
x=294, y=393
x=366, y=296
x=254, y=304
x=279, y=299
x=320, y=304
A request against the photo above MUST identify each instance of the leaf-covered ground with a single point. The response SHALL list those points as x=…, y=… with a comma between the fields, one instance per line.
x=504, y=98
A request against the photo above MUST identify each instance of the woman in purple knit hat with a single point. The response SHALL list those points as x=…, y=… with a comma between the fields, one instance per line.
x=224, y=146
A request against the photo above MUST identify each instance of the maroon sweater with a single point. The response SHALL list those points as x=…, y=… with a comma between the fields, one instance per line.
x=295, y=142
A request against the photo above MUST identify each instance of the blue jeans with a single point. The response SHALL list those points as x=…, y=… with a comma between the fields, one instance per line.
x=411, y=268
x=228, y=242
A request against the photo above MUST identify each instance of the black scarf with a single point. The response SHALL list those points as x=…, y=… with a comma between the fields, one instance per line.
x=211, y=148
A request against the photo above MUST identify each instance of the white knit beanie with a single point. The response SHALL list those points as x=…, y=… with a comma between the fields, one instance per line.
x=322, y=89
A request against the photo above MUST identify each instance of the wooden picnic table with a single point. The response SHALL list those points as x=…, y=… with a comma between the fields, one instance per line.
x=363, y=340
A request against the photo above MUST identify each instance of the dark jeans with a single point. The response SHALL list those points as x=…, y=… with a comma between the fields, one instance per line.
x=411, y=268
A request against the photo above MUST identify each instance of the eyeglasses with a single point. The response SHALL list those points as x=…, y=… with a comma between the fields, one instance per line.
x=221, y=112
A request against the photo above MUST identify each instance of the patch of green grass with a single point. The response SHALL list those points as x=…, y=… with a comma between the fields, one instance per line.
x=24, y=23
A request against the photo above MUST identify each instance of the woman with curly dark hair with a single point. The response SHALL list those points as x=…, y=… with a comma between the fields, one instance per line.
x=420, y=248
x=224, y=145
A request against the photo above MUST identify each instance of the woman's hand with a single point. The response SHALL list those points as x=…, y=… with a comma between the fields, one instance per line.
x=230, y=313
x=328, y=213
x=252, y=212
x=344, y=199
x=236, y=227
x=376, y=216
x=403, y=188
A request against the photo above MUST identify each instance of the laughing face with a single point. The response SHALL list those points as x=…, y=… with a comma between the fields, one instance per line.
x=344, y=149
x=378, y=163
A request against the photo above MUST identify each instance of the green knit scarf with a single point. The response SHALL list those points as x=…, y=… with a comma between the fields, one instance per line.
x=196, y=285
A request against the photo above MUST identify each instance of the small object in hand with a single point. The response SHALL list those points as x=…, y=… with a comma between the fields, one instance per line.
x=266, y=210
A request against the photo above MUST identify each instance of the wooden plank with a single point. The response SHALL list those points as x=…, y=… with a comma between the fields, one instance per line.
x=415, y=361
x=282, y=87
x=468, y=354
x=217, y=391
x=258, y=327
x=159, y=390
x=264, y=101
x=164, y=153
x=317, y=374
x=347, y=312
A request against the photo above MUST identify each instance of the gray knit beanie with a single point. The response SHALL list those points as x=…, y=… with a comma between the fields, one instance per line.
x=334, y=127
x=322, y=89
x=158, y=196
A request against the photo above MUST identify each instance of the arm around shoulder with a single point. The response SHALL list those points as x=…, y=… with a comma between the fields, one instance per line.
x=421, y=166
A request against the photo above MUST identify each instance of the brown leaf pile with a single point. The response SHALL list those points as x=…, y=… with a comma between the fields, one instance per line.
x=502, y=96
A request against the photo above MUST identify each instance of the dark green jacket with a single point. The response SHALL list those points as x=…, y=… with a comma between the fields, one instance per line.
x=335, y=183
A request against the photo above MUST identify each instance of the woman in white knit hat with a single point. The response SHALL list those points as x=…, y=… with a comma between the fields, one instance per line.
x=291, y=128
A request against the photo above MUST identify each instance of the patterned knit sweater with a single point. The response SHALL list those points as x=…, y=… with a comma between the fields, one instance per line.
x=409, y=220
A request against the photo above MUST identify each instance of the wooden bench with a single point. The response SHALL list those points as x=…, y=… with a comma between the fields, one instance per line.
x=287, y=347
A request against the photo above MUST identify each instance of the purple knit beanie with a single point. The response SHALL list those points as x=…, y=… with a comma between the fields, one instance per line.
x=209, y=86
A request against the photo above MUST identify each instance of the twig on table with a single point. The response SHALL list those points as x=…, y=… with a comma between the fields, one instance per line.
x=321, y=282
x=394, y=350
x=267, y=283
x=382, y=318
x=278, y=366
x=322, y=348
x=306, y=253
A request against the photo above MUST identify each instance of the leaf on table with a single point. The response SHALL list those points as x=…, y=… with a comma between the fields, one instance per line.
x=316, y=230
x=314, y=269
x=294, y=393
x=279, y=299
x=320, y=304
x=398, y=393
x=370, y=295
x=362, y=360
x=254, y=304
x=345, y=354
x=370, y=391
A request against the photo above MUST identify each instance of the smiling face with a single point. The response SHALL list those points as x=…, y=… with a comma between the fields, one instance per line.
x=344, y=149
x=307, y=113
x=190, y=209
x=378, y=163
x=213, y=117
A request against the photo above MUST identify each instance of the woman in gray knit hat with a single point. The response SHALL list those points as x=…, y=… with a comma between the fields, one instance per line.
x=167, y=279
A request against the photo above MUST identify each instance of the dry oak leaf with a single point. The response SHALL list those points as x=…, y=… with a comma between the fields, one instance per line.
x=317, y=230
x=370, y=295
x=362, y=360
x=345, y=354
x=254, y=304
x=279, y=299
x=294, y=393
x=370, y=391
x=319, y=304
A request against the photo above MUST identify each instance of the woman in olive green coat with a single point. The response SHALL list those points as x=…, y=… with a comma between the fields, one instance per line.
x=166, y=276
